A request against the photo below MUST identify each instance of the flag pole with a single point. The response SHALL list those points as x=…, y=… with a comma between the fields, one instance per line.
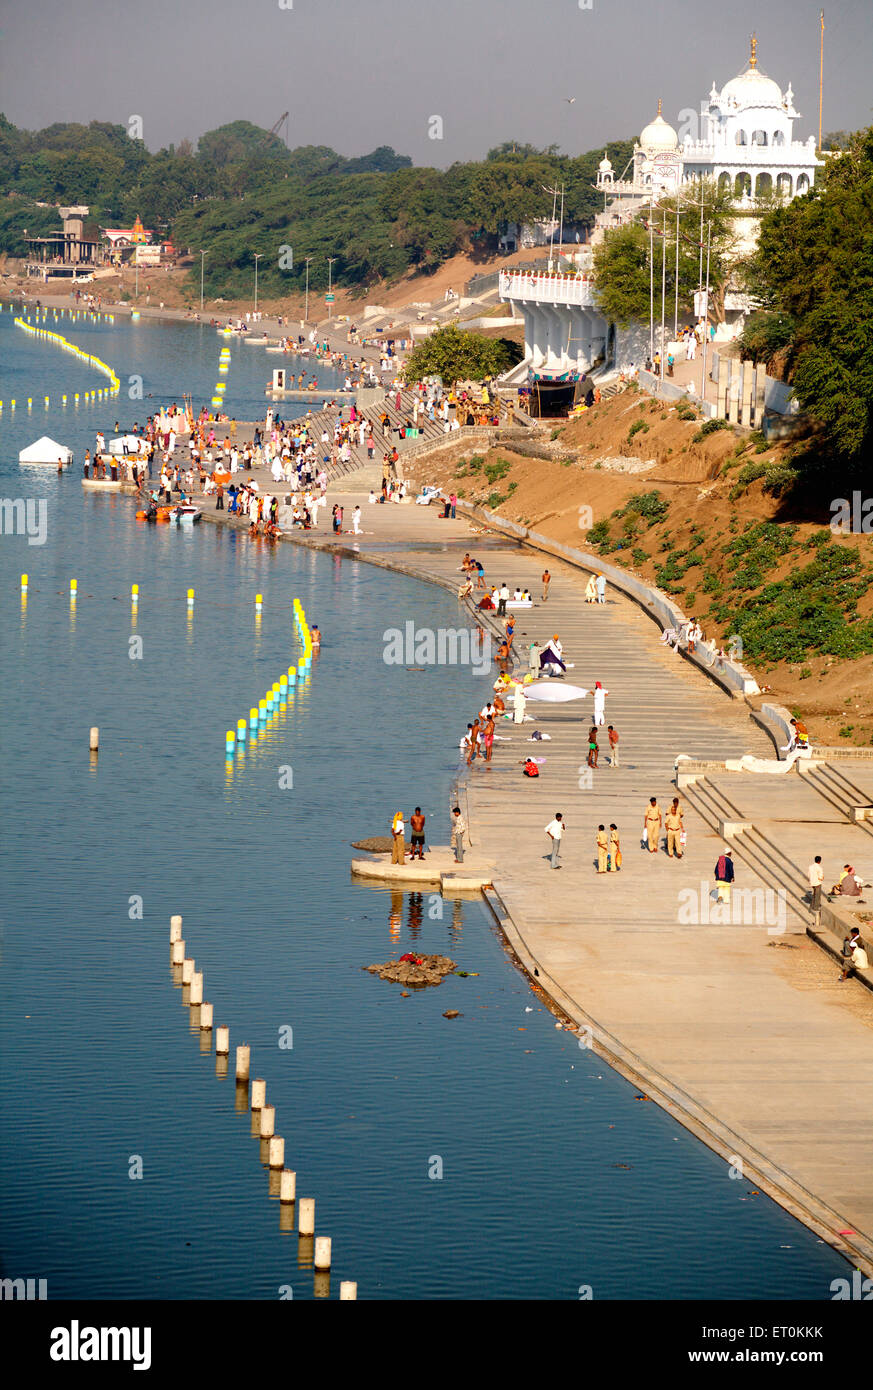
x=820, y=77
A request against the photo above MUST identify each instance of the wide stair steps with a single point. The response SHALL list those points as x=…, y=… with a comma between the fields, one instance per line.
x=753, y=846
x=839, y=791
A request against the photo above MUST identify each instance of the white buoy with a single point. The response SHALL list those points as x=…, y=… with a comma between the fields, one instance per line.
x=175, y=928
x=196, y=994
x=94, y=743
x=322, y=1252
x=177, y=953
x=187, y=968
x=206, y=1016
x=268, y=1121
x=277, y=1151
x=287, y=1185
x=348, y=1291
x=259, y=1093
x=306, y=1219
x=243, y=1057
x=222, y=1041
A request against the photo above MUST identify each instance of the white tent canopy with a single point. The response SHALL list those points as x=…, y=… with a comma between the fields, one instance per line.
x=45, y=450
x=127, y=444
x=554, y=693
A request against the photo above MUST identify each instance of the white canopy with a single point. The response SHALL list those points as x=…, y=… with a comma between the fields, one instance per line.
x=45, y=450
x=554, y=693
x=127, y=444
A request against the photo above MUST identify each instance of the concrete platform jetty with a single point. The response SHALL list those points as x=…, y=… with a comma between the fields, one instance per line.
x=438, y=866
x=737, y=1028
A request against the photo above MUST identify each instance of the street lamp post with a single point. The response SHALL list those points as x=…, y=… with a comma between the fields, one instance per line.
x=330, y=261
x=651, y=287
x=705, y=316
x=202, y=260
x=306, y=306
x=663, y=287
x=258, y=255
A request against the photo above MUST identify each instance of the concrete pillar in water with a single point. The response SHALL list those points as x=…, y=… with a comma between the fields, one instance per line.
x=206, y=1016
x=187, y=969
x=268, y=1121
x=322, y=1252
x=259, y=1093
x=277, y=1151
x=175, y=928
x=306, y=1220
x=243, y=1055
x=288, y=1185
x=196, y=995
x=222, y=1040
x=348, y=1290
x=177, y=953
x=94, y=742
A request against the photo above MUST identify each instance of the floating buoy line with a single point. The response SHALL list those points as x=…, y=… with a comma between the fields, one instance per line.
x=87, y=358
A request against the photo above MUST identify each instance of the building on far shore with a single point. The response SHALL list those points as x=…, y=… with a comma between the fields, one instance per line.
x=70, y=254
x=742, y=137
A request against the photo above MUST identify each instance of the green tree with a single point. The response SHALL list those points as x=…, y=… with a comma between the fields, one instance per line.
x=456, y=355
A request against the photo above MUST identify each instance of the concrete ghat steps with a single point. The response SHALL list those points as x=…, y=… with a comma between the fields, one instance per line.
x=753, y=846
x=839, y=791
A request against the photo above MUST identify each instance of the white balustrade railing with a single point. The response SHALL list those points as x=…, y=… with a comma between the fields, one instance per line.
x=546, y=288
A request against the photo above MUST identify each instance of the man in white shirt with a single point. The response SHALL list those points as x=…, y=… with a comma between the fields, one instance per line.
x=502, y=596
x=555, y=830
x=816, y=878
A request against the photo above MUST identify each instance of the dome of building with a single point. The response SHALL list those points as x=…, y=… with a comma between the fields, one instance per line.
x=752, y=88
x=658, y=135
x=605, y=165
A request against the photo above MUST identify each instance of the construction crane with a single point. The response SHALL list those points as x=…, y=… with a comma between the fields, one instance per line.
x=283, y=120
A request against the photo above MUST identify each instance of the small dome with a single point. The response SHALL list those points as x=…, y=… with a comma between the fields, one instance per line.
x=658, y=135
x=752, y=88
x=605, y=165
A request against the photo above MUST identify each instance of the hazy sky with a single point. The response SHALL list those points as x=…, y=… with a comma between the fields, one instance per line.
x=359, y=73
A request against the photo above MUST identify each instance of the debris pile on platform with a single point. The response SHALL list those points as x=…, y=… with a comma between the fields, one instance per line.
x=414, y=970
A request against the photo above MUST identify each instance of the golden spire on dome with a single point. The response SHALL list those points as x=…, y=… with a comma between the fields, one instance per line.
x=659, y=106
x=753, y=57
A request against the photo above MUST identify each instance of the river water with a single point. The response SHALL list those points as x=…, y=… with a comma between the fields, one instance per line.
x=484, y=1157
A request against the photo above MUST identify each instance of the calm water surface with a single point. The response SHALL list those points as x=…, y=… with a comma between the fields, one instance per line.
x=554, y=1176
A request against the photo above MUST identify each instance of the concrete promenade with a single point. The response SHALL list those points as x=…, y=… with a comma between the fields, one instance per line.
x=740, y=1031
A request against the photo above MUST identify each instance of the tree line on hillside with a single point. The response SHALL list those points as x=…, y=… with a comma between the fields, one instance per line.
x=242, y=193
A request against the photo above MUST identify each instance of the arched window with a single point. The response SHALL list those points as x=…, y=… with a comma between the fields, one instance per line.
x=724, y=183
x=740, y=137
x=742, y=184
x=802, y=183
x=778, y=137
x=763, y=185
x=783, y=185
x=759, y=137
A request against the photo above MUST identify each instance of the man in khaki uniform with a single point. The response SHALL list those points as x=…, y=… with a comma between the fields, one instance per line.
x=602, y=849
x=652, y=824
x=673, y=826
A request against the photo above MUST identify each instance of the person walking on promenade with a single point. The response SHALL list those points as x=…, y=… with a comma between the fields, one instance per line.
x=591, y=590
x=453, y=503
x=816, y=879
x=600, y=585
x=854, y=956
x=475, y=735
x=724, y=876
x=674, y=827
x=459, y=830
x=555, y=830
x=602, y=841
x=547, y=579
x=518, y=705
x=652, y=824
x=356, y=521
x=592, y=747
x=488, y=737
x=613, y=863
x=613, y=746
x=502, y=596
x=398, y=844
x=416, y=824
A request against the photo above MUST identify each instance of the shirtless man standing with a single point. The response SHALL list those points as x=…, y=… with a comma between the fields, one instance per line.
x=416, y=822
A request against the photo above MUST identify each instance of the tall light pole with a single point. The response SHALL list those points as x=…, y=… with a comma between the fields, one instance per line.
x=258, y=255
x=651, y=286
x=202, y=260
x=676, y=287
x=306, y=308
x=663, y=287
x=554, y=193
x=330, y=261
x=705, y=316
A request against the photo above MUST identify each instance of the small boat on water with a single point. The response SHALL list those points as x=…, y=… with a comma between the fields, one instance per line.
x=186, y=514
x=257, y=341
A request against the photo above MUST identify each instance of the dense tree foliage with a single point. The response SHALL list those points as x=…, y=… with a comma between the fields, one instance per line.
x=241, y=192
x=456, y=355
x=814, y=268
